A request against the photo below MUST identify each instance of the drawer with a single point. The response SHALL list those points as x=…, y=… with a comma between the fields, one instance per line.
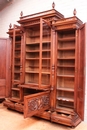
x=61, y=118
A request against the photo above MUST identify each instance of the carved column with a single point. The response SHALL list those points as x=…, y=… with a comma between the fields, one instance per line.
x=53, y=69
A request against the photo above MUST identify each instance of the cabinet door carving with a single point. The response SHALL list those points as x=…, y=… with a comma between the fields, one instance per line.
x=36, y=103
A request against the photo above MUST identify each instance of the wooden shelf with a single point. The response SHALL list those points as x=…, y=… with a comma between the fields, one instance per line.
x=46, y=50
x=67, y=105
x=66, y=49
x=35, y=86
x=17, y=42
x=16, y=89
x=32, y=72
x=17, y=57
x=17, y=49
x=16, y=81
x=46, y=58
x=66, y=58
x=35, y=66
x=65, y=89
x=45, y=66
x=65, y=99
x=65, y=110
x=46, y=41
x=67, y=76
x=29, y=85
x=45, y=72
x=66, y=39
x=32, y=43
x=32, y=58
x=66, y=66
x=17, y=72
x=32, y=51
x=17, y=64
x=39, y=35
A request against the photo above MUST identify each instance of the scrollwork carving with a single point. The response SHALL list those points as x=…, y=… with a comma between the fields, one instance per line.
x=38, y=103
x=33, y=105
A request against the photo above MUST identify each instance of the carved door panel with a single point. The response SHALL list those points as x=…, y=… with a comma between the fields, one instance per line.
x=35, y=103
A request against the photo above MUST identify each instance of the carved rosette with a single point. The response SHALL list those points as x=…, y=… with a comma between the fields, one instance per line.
x=38, y=103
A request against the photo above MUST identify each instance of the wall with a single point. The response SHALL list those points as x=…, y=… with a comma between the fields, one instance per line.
x=12, y=13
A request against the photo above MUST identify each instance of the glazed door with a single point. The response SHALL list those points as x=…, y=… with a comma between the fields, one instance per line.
x=5, y=67
x=45, y=54
x=17, y=62
x=17, y=51
x=38, y=55
x=81, y=71
x=36, y=103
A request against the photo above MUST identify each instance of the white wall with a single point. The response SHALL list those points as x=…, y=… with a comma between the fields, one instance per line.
x=12, y=13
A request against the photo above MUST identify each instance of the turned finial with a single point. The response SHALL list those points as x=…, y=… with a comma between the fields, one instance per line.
x=74, y=12
x=10, y=26
x=53, y=5
x=21, y=14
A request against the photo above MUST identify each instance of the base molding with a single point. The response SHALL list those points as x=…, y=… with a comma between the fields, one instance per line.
x=45, y=115
x=14, y=106
x=68, y=120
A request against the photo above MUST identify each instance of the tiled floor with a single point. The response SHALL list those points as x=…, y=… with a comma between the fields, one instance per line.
x=11, y=120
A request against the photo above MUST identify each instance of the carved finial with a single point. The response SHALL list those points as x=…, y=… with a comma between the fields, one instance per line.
x=21, y=14
x=53, y=5
x=74, y=12
x=10, y=26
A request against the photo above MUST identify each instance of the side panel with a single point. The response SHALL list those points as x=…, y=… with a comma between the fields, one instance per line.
x=36, y=103
x=81, y=72
x=8, y=68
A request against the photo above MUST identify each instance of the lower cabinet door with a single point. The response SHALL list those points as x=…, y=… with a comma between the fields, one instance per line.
x=36, y=103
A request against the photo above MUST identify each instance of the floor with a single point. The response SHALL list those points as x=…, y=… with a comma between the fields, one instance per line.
x=11, y=120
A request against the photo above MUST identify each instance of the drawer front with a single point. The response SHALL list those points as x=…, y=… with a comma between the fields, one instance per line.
x=45, y=115
x=36, y=103
x=61, y=119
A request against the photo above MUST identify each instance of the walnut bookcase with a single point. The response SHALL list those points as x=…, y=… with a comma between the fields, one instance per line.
x=48, y=68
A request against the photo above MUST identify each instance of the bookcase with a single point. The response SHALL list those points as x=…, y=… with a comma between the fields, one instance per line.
x=47, y=67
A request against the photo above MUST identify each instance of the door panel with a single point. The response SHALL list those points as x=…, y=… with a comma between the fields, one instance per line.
x=45, y=54
x=5, y=46
x=81, y=74
x=17, y=62
x=36, y=103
